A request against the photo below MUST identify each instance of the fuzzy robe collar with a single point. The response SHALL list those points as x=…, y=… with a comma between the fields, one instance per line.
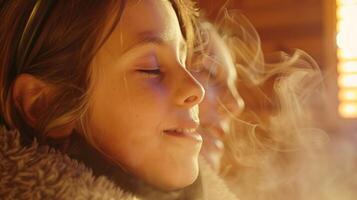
x=39, y=172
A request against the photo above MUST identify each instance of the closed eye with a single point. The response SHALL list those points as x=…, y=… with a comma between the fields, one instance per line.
x=150, y=71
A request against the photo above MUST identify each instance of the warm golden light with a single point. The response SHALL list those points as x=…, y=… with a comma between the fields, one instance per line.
x=346, y=40
x=347, y=29
x=347, y=67
x=348, y=95
x=346, y=2
x=347, y=81
x=347, y=11
x=346, y=55
x=348, y=110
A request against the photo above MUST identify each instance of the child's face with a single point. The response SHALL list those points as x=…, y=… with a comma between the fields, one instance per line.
x=218, y=77
x=143, y=109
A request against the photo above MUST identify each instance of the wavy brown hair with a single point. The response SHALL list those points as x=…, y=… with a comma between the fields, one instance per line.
x=62, y=53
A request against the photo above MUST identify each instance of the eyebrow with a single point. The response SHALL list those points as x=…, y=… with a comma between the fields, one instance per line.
x=147, y=37
x=151, y=37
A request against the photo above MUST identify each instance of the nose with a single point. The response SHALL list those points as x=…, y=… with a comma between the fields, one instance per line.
x=189, y=91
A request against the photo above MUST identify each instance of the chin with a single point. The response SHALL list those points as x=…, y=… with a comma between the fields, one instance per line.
x=174, y=178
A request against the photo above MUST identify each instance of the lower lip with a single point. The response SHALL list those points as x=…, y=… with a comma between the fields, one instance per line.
x=195, y=136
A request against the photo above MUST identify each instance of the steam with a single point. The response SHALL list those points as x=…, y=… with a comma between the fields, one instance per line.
x=276, y=151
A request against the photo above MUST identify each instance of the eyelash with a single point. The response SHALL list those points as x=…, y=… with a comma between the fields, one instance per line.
x=151, y=71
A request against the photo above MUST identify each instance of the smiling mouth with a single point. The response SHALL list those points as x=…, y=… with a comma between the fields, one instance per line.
x=184, y=133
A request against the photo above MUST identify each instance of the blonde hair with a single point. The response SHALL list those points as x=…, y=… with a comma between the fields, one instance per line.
x=275, y=137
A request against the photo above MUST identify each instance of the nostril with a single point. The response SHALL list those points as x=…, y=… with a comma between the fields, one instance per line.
x=191, y=99
x=189, y=91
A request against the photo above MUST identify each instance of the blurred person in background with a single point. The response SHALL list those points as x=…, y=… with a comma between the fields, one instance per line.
x=271, y=149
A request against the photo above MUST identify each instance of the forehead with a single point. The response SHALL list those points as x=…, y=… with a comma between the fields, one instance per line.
x=146, y=20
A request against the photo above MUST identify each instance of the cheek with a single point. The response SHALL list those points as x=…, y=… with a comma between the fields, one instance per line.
x=124, y=132
x=122, y=109
x=125, y=120
x=151, y=94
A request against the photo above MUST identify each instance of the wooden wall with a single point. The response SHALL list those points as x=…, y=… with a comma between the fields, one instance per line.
x=282, y=24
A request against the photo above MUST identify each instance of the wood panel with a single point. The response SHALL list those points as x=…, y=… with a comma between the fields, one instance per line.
x=284, y=15
x=281, y=24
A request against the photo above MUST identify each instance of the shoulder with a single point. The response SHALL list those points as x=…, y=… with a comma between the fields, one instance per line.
x=39, y=172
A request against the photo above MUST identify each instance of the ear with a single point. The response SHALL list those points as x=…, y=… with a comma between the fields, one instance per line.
x=30, y=96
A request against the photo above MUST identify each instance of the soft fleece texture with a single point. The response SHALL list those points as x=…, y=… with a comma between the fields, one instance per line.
x=39, y=172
